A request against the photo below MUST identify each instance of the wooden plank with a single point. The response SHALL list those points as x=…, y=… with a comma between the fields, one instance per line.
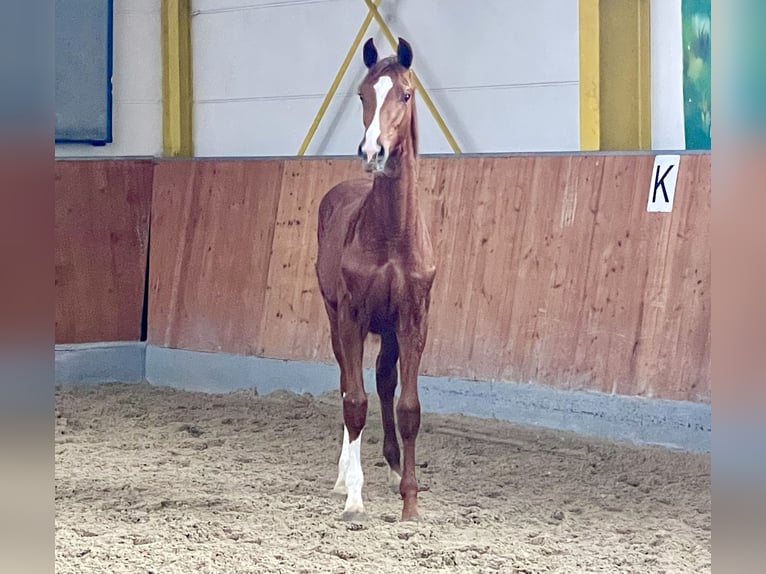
x=102, y=227
x=212, y=228
x=447, y=319
x=674, y=359
x=295, y=325
x=609, y=293
x=550, y=268
x=571, y=278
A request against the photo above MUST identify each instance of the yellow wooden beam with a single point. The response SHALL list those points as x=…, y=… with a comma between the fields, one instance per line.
x=624, y=75
x=372, y=12
x=176, y=78
x=590, y=83
x=645, y=74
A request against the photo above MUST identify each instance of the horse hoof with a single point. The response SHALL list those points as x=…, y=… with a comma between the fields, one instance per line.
x=394, y=480
x=353, y=516
x=410, y=513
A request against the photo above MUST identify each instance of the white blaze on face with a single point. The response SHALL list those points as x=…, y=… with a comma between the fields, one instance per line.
x=382, y=87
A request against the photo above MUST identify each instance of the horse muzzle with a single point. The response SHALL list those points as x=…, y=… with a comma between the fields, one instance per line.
x=374, y=159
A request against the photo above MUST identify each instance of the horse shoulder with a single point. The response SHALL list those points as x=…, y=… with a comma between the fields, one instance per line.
x=344, y=192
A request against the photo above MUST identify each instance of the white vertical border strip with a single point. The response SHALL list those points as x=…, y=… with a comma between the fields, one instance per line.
x=668, y=132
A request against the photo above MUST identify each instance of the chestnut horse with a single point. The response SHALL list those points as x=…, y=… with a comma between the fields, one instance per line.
x=375, y=267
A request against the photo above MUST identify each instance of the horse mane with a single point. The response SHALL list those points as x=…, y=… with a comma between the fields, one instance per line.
x=414, y=125
x=389, y=64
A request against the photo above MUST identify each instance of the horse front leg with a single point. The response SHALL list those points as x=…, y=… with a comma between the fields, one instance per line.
x=412, y=338
x=351, y=335
x=343, y=459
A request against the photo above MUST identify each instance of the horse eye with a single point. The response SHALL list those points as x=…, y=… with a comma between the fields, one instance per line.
x=406, y=96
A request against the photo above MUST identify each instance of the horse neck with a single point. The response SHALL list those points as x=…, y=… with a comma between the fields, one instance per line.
x=392, y=206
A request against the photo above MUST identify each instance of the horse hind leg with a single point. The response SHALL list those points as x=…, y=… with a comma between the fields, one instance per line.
x=386, y=379
x=411, y=340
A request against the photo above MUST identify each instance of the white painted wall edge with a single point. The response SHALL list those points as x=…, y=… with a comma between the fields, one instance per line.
x=668, y=123
x=107, y=362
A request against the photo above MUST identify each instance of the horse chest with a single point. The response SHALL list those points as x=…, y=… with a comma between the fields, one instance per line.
x=383, y=289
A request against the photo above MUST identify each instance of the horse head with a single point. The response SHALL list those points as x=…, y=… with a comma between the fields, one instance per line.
x=388, y=104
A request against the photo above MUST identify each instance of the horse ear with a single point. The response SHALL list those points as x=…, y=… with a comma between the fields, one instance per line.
x=404, y=53
x=370, y=53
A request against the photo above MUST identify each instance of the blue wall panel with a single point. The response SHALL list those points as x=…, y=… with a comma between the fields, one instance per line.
x=84, y=71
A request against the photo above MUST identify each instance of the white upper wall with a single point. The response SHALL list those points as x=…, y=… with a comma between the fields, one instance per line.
x=503, y=73
x=136, y=84
x=667, y=76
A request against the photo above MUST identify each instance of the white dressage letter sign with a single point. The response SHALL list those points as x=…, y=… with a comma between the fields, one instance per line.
x=662, y=188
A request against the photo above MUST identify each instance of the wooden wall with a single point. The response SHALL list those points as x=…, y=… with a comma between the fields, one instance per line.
x=550, y=268
x=102, y=236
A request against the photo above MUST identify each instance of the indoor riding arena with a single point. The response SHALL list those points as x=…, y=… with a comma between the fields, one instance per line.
x=487, y=349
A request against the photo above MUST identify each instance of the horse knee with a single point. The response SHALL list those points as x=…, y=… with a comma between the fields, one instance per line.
x=385, y=368
x=355, y=413
x=408, y=417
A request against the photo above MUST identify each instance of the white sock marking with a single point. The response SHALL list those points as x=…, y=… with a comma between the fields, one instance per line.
x=340, y=484
x=382, y=87
x=354, y=477
x=394, y=479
